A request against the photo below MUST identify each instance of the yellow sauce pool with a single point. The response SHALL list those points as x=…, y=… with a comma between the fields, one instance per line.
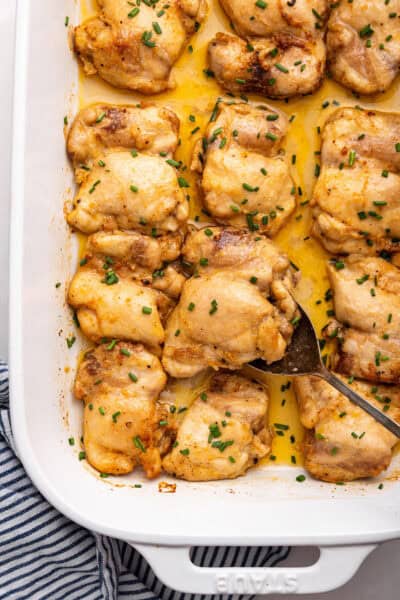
x=195, y=94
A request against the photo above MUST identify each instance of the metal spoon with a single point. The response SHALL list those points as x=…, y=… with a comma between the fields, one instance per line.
x=303, y=357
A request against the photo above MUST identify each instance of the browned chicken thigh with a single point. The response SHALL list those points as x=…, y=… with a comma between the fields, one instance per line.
x=223, y=433
x=98, y=127
x=124, y=288
x=364, y=44
x=120, y=386
x=280, y=51
x=343, y=442
x=123, y=162
x=245, y=175
x=237, y=307
x=134, y=45
x=130, y=191
x=366, y=295
x=356, y=199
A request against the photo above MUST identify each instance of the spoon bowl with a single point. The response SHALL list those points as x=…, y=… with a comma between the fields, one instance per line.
x=303, y=357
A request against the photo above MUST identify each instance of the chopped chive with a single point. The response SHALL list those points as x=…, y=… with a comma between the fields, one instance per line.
x=94, y=186
x=249, y=188
x=214, y=307
x=281, y=68
x=70, y=341
x=183, y=183
x=138, y=443
x=134, y=12
x=271, y=136
x=157, y=28
x=146, y=39
x=366, y=31
x=173, y=163
x=115, y=416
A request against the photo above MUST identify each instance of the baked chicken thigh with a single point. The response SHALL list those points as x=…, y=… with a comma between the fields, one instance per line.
x=135, y=45
x=343, y=442
x=356, y=199
x=363, y=43
x=124, y=288
x=237, y=307
x=366, y=295
x=223, y=433
x=98, y=127
x=245, y=175
x=280, y=51
x=123, y=162
x=129, y=191
x=120, y=386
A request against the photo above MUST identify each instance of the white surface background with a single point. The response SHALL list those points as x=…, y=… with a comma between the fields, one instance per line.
x=379, y=576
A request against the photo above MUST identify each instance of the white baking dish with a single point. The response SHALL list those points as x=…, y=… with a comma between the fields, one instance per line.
x=267, y=507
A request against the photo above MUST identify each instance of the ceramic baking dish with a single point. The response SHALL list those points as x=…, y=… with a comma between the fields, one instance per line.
x=267, y=507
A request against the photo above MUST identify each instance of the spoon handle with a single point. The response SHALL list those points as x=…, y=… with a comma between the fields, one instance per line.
x=347, y=391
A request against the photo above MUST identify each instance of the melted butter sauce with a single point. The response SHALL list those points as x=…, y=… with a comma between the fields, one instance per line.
x=195, y=94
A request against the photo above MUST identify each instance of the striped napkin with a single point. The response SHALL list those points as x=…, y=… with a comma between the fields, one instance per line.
x=43, y=555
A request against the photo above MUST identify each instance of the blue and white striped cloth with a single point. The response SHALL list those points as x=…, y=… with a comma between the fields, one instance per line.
x=43, y=555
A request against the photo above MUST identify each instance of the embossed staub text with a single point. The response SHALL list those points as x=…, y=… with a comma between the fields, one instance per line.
x=248, y=582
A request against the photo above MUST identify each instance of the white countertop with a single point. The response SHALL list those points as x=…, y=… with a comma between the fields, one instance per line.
x=379, y=576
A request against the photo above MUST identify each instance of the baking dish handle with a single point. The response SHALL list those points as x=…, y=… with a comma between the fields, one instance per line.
x=336, y=565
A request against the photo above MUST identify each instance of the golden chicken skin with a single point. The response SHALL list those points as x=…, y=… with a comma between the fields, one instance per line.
x=123, y=162
x=237, y=306
x=125, y=288
x=130, y=191
x=342, y=442
x=366, y=296
x=280, y=52
x=98, y=127
x=363, y=43
x=135, y=46
x=356, y=200
x=223, y=433
x=245, y=175
x=120, y=384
